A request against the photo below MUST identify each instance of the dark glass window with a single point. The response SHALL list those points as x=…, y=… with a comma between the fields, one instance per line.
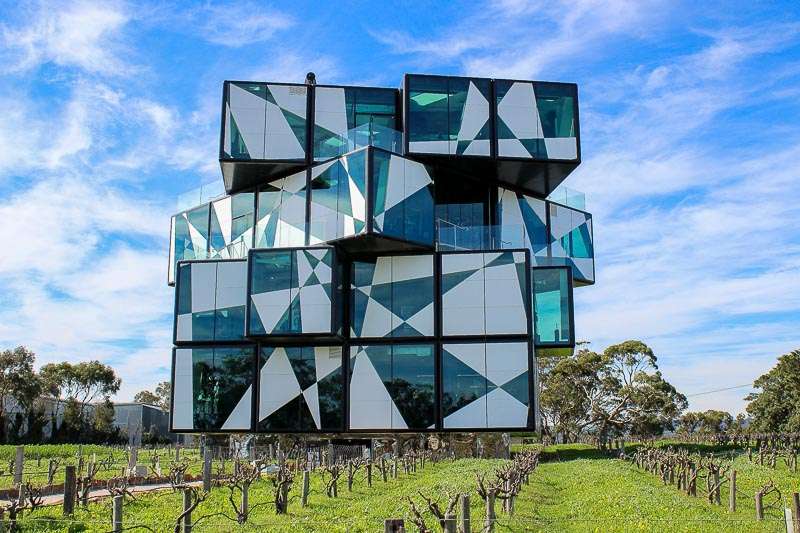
x=412, y=384
x=462, y=215
x=428, y=109
x=407, y=374
x=461, y=385
x=552, y=303
x=220, y=377
x=320, y=408
x=556, y=105
x=448, y=115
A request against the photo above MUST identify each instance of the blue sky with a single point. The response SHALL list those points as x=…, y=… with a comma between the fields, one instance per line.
x=690, y=141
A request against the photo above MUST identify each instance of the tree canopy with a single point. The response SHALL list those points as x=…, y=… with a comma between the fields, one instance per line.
x=776, y=406
x=160, y=398
x=617, y=391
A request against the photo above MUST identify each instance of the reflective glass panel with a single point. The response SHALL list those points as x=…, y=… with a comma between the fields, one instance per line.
x=552, y=303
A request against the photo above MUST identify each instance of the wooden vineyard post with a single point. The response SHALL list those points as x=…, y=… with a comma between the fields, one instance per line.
x=449, y=523
x=187, y=504
x=732, y=495
x=796, y=511
x=245, y=499
x=465, y=525
x=369, y=474
x=69, y=490
x=350, y=476
x=116, y=514
x=394, y=525
x=304, y=491
x=207, y=470
x=490, y=514
x=759, y=506
x=19, y=464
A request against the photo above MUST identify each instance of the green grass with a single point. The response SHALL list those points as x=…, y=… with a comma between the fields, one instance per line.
x=38, y=456
x=575, y=488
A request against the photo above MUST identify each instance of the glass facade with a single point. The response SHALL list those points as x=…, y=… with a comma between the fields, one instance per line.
x=536, y=120
x=231, y=230
x=343, y=115
x=211, y=300
x=189, y=238
x=448, y=115
x=392, y=297
x=338, y=198
x=484, y=293
x=571, y=242
x=402, y=198
x=301, y=388
x=552, y=306
x=281, y=217
x=265, y=121
x=392, y=387
x=213, y=388
x=462, y=215
x=522, y=221
x=485, y=385
x=291, y=292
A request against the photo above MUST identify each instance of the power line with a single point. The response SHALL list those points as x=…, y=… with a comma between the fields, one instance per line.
x=720, y=390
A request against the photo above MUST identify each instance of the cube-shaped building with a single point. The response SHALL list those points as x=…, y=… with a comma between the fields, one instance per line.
x=383, y=260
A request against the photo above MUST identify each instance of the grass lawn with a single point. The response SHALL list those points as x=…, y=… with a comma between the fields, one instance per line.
x=576, y=489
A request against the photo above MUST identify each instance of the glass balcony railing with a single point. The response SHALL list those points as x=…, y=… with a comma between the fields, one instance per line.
x=568, y=197
x=364, y=135
x=203, y=194
x=450, y=236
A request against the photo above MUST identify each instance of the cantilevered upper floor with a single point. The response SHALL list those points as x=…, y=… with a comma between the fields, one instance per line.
x=521, y=133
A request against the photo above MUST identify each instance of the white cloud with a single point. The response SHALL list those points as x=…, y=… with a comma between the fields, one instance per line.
x=695, y=251
x=237, y=24
x=87, y=278
x=80, y=34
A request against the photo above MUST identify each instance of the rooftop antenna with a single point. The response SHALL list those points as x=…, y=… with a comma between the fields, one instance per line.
x=311, y=79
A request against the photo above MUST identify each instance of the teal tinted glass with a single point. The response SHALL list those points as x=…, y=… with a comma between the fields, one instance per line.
x=556, y=105
x=428, y=109
x=552, y=303
x=412, y=384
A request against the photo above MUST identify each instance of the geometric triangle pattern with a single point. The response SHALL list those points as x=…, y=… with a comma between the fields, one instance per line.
x=472, y=127
x=265, y=121
x=213, y=388
x=281, y=220
x=300, y=389
x=485, y=293
x=571, y=241
x=523, y=223
x=403, y=189
x=189, y=238
x=485, y=385
x=231, y=230
x=392, y=296
x=290, y=291
x=463, y=106
x=528, y=127
x=392, y=387
x=338, y=198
